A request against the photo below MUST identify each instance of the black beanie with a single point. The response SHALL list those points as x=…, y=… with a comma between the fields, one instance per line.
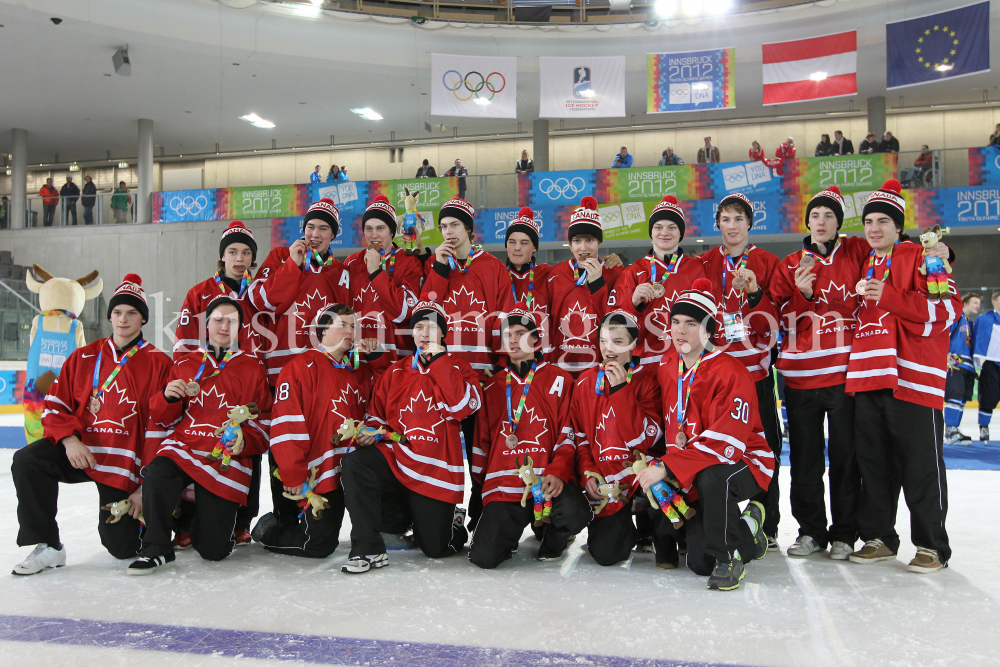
x=525, y=223
x=698, y=303
x=223, y=300
x=461, y=209
x=740, y=200
x=383, y=210
x=237, y=233
x=888, y=200
x=667, y=209
x=325, y=317
x=326, y=211
x=622, y=318
x=433, y=311
x=830, y=198
x=586, y=220
x=130, y=292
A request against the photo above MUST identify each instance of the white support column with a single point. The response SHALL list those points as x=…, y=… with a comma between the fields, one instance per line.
x=143, y=205
x=19, y=179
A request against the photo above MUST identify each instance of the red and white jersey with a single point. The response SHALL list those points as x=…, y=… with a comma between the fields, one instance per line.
x=817, y=333
x=293, y=296
x=426, y=405
x=190, y=423
x=475, y=302
x=575, y=314
x=654, y=316
x=116, y=434
x=544, y=432
x=522, y=285
x=611, y=426
x=902, y=339
x=760, y=321
x=190, y=333
x=383, y=300
x=312, y=400
x=722, y=421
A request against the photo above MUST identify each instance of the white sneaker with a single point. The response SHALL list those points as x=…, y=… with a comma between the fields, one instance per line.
x=361, y=564
x=841, y=550
x=42, y=557
x=803, y=546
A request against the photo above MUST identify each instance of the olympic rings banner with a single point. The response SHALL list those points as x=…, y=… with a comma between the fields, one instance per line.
x=691, y=81
x=583, y=87
x=984, y=166
x=477, y=86
x=185, y=206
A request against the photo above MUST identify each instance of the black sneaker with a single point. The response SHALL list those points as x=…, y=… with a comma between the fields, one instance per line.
x=147, y=564
x=760, y=542
x=727, y=576
x=264, y=524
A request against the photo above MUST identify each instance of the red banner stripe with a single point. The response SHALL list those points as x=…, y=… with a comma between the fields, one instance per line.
x=798, y=91
x=814, y=47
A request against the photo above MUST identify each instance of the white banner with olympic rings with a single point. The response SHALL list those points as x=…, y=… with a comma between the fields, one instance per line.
x=584, y=87
x=477, y=86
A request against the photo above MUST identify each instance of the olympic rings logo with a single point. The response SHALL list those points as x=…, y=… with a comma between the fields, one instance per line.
x=737, y=177
x=188, y=205
x=561, y=188
x=473, y=87
x=680, y=92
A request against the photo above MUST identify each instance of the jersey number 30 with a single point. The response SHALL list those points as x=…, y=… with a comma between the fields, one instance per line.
x=741, y=412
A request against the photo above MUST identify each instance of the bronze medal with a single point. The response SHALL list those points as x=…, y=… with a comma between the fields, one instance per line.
x=511, y=441
x=807, y=261
x=740, y=283
x=681, y=440
x=95, y=405
x=658, y=290
x=192, y=389
x=860, y=287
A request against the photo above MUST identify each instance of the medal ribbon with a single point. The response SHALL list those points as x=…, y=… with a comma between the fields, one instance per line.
x=731, y=265
x=351, y=360
x=888, y=263
x=529, y=299
x=243, y=284
x=314, y=256
x=204, y=360
x=810, y=253
x=514, y=418
x=671, y=267
x=682, y=405
x=121, y=364
x=464, y=266
x=388, y=263
x=599, y=385
x=577, y=278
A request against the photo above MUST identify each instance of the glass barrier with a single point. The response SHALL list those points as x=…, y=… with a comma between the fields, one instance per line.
x=105, y=210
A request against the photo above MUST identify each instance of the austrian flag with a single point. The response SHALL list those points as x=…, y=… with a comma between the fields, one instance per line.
x=811, y=69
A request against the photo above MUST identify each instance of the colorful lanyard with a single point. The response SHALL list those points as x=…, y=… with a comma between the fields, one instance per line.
x=464, y=266
x=351, y=360
x=578, y=279
x=810, y=253
x=388, y=263
x=731, y=265
x=599, y=385
x=671, y=267
x=243, y=284
x=888, y=263
x=312, y=255
x=204, y=360
x=416, y=357
x=96, y=394
x=531, y=285
x=682, y=406
x=58, y=311
x=514, y=418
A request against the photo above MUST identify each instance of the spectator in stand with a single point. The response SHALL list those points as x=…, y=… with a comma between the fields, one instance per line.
x=50, y=199
x=70, y=193
x=89, y=199
x=120, y=203
x=315, y=177
x=889, y=144
x=870, y=144
x=756, y=152
x=995, y=137
x=926, y=158
x=786, y=150
x=825, y=147
x=524, y=165
x=460, y=172
x=670, y=158
x=426, y=170
x=333, y=175
x=842, y=146
x=708, y=153
x=622, y=160
x=344, y=177
x=4, y=208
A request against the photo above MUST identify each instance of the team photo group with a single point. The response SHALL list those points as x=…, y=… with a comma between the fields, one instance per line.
x=637, y=402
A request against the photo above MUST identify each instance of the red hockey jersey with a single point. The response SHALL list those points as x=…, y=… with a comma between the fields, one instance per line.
x=190, y=332
x=544, y=432
x=817, y=333
x=312, y=399
x=520, y=282
x=722, y=419
x=116, y=434
x=475, y=302
x=426, y=405
x=383, y=300
x=575, y=314
x=190, y=423
x=293, y=296
x=902, y=340
x=654, y=316
x=760, y=321
x=610, y=427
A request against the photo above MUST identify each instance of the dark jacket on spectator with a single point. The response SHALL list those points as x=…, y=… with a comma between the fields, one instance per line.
x=846, y=148
x=426, y=172
x=994, y=140
x=89, y=194
x=70, y=193
x=868, y=146
x=888, y=146
x=825, y=148
x=526, y=166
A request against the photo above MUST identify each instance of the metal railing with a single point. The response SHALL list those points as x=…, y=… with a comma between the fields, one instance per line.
x=66, y=213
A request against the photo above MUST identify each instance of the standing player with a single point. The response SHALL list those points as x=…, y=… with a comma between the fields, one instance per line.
x=577, y=292
x=616, y=412
x=897, y=373
x=987, y=357
x=961, y=381
x=648, y=287
x=94, y=425
x=527, y=276
x=741, y=274
x=420, y=403
x=525, y=415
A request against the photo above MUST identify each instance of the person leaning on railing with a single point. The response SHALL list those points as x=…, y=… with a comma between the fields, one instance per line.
x=120, y=203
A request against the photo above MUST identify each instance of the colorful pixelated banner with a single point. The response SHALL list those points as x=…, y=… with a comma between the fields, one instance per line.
x=691, y=81
x=11, y=387
x=650, y=184
x=185, y=206
x=850, y=173
x=749, y=178
x=272, y=201
x=984, y=166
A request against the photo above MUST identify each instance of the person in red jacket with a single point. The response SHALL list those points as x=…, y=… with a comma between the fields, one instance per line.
x=577, y=292
x=741, y=274
x=94, y=426
x=756, y=152
x=50, y=199
x=207, y=388
x=419, y=403
x=527, y=276
x=897, y=373
x=525, y=415
x=648, y=287
x=317, y=392
x=295, y=283
x=785, y=150
x=616, y=412
x=385, y=280
x=716, y=454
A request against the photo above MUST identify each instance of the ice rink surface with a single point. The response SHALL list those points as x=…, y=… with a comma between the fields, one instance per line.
x=256, y=606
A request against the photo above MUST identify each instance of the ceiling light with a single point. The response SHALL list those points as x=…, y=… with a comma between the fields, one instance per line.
x=692, y=7
x=123, y=165
x=588, y=93
x=482, y=101
x=818, y=76
x=666, y=8
x=944, y=68
x=369, y=114
x=257, y=121
x=718, y=6
x=74, y=167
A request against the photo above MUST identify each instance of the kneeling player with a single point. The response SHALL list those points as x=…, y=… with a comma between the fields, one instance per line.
x=419, y=404
x=304, y=439
x=715, y=451
x=209, y=390
x=616, y=412
x=524, y=452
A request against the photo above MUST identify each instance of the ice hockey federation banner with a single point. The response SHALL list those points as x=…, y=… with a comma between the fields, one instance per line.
x=811, y=69
x=938, y=46
x=585, y=87
x=691, y=81
x=477, y=86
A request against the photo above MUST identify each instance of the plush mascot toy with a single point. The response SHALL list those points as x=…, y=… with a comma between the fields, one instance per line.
x=412, y=221
x=55, y=334
x=936, y=269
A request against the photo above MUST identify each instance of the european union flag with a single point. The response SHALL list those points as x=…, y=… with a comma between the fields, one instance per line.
x=938, y=46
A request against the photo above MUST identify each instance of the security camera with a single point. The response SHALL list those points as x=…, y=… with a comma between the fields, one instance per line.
x=56, y=20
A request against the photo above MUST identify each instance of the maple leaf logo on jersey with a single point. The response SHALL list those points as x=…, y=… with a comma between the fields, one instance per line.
x=839, y=293
x=834, y=319
x=465, y=308
x=577, y=323
x=660, y=319
x=366, y=295
x=341, y=405
x=877, y=324
x=305, y=310
x=525, y=428
x=116, y=408
x=212, y=405
x=420, y=416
